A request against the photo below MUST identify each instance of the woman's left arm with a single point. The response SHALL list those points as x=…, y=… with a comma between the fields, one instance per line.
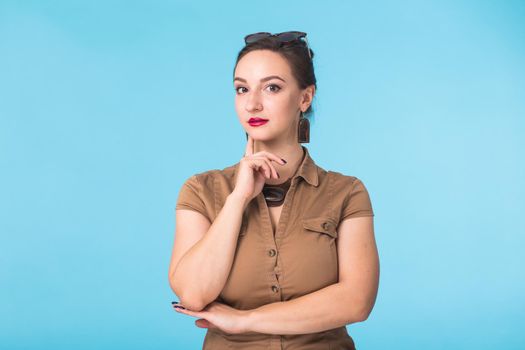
x=348, y=301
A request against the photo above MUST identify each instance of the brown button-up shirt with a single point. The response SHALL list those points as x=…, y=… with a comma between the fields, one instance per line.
x=300, y=257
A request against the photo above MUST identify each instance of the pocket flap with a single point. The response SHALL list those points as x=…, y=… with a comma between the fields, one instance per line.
x=321, y=224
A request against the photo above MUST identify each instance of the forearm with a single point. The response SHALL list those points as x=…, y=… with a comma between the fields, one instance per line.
x=330, y=307
x=202, y=272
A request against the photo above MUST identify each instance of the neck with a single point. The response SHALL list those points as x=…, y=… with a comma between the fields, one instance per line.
x=292, y=152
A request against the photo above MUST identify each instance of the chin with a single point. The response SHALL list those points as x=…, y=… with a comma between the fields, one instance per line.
x=263, y=136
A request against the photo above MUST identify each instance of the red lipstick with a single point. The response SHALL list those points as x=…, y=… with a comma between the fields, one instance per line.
x=255, y=121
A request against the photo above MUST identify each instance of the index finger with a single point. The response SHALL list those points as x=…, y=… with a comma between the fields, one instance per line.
x=249, y=147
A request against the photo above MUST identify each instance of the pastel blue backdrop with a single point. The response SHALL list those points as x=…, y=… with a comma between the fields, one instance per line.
x=107, y=107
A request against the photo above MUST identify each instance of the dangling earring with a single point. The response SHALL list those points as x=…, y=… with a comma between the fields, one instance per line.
x=246, y=136
x=303, y=131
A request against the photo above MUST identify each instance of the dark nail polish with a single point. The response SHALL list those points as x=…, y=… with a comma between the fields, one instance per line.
x=179, y=307
x=284, y=161
x=174, y=302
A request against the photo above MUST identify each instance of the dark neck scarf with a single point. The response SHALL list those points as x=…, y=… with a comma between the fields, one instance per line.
x=275, y=194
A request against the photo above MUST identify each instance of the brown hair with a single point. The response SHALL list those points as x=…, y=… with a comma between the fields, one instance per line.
x=295, y=54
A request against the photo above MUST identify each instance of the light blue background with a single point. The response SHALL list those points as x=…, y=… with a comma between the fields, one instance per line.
x=107, y=107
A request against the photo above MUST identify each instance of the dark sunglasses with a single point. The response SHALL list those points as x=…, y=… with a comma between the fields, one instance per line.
x=284, y=37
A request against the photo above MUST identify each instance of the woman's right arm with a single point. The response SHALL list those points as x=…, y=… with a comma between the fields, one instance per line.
x=199, y=276
x=203, y=252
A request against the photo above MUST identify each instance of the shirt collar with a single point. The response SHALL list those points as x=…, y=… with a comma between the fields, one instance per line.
x=307, y=169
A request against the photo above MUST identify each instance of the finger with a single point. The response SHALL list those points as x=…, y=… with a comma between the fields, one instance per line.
x=267, y=169
x=204, y=323
x=271, y=156
x=263, y=166
x=259, y=167
x=188, y=312
x=274, y=172
x=249, y=146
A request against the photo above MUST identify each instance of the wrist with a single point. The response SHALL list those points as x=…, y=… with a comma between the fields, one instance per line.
x=249, y=320
x=237, y=198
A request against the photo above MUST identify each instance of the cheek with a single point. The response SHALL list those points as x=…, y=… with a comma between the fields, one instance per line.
x=279, y=103
x=238, y=107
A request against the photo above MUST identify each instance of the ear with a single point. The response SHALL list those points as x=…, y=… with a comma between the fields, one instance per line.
x=307, y=96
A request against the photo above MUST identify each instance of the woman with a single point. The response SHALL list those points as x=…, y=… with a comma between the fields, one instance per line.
x=274, y=251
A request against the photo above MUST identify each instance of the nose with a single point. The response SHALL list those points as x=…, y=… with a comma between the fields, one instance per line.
x=253, y=102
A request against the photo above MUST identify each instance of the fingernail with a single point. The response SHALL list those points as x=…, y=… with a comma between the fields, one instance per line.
x=284, y=161
x=174, y=302
x=179, y=307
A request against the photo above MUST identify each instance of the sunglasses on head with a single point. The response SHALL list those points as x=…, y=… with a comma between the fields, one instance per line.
x=284, y=37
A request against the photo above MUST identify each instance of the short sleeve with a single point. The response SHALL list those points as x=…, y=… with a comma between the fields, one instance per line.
x=357, y=203
x=190, y=196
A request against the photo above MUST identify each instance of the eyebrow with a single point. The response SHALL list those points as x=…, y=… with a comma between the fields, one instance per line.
x=263, y=79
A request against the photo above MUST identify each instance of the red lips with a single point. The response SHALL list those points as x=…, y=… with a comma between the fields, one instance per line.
x=257, y=121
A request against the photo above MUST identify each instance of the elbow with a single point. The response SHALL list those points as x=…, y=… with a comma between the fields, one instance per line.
x=173, y=285
x=362, y=313
x=356, y=316
x=362, y=316
x=363, y=306
x=357, y=311
x=190, y=303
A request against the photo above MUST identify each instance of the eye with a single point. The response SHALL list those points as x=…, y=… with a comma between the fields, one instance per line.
x=274, y=85
x=274, y=88
x=237, y=89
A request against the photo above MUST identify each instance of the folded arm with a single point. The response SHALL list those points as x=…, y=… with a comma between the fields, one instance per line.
x=348, y=301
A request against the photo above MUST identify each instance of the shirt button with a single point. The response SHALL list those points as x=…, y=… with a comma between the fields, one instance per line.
x=272, y=252
x=275, y=288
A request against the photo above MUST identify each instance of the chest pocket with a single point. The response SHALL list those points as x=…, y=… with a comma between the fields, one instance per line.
x=310, y=260
x=321, y=224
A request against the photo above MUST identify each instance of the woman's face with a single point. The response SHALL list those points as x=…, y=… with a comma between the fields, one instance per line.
x=265, y=88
